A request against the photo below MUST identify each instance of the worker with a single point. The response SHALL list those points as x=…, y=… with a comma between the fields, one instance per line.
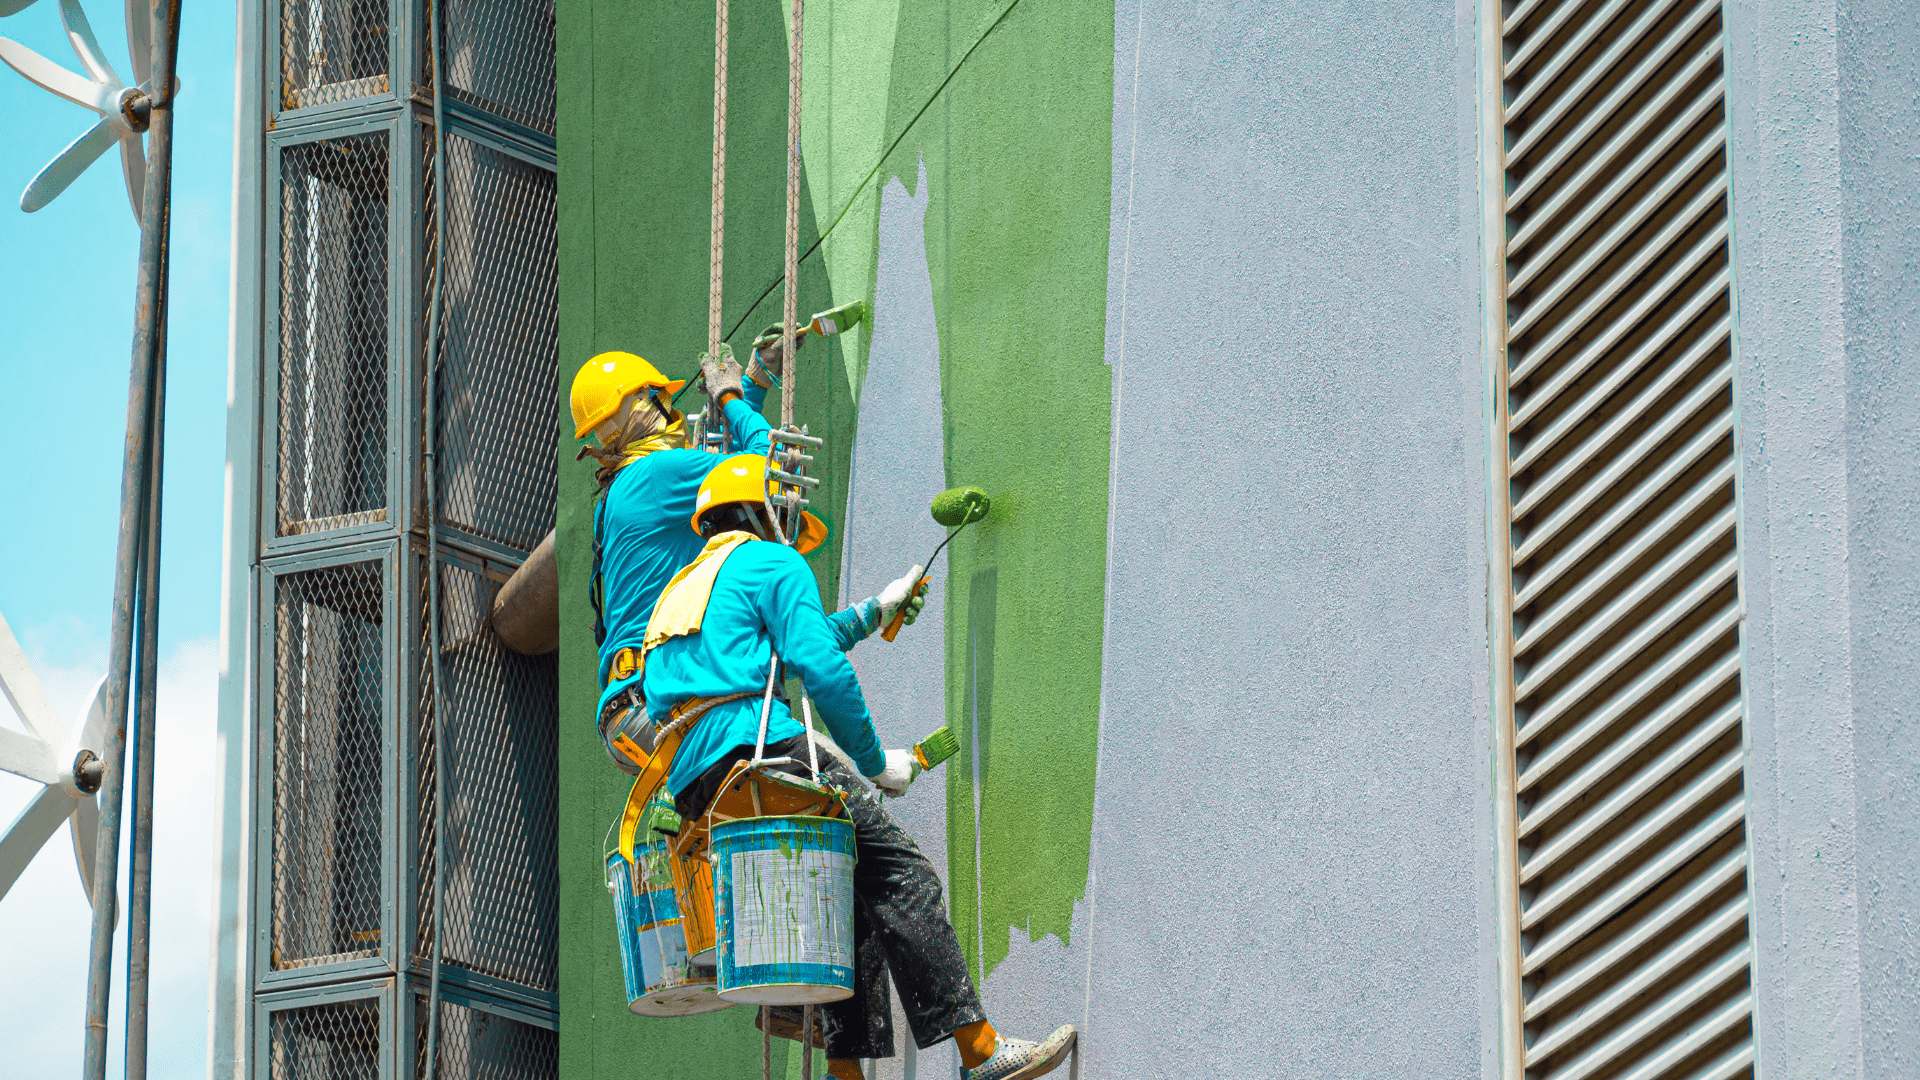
x=640, y=537
x=649, y=475
x=708, y=652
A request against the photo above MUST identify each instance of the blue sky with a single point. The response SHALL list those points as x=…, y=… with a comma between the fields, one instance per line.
x=66, y=306
x=66, y=326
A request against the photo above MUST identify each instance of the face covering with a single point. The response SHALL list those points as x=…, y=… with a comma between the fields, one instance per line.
x=650, y=426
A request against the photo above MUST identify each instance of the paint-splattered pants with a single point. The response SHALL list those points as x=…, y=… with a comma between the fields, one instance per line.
x=899, y=922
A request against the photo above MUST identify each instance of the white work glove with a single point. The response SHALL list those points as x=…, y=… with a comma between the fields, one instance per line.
x=721, y=373
x=902, y=591
x=900, y=771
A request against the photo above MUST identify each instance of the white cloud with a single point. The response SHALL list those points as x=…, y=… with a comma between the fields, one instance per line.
x=45, y=919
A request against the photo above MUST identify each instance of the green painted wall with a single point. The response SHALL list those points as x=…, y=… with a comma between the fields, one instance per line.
x=1017, y=157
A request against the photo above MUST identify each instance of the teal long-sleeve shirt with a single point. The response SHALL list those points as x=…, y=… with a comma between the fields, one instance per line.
x=644, y=524
x=764, y=598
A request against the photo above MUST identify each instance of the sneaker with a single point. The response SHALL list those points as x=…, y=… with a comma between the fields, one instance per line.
x=1018, y=1059
x=785, y=1024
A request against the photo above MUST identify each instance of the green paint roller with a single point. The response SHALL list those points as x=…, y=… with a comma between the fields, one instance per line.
x=955, y=508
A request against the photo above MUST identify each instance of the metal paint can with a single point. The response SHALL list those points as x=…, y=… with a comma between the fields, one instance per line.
x=660, y=978
x=692, y=878
x=784, y=892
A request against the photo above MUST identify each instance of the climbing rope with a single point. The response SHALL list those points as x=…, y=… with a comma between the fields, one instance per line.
x=791, y=302
x=718, y=248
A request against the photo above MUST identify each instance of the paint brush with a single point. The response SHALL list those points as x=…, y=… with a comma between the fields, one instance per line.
x=954, y=508
x=936, y=748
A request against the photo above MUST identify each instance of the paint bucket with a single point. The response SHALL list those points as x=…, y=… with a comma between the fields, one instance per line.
x=784, y=887
x=660, y=979
x=692, y=878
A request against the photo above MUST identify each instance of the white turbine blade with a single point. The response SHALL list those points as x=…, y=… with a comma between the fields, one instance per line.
x=31, y=702
x=48, y=75
x=93, y=730
x=86, y=46
x=13, y=7
x=29, y=833
x=67, y=165
x=139, y=39
x=85, y=829
x=133, y=163
x=23, y=755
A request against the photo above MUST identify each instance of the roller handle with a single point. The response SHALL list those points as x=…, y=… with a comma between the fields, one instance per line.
x=900, y=614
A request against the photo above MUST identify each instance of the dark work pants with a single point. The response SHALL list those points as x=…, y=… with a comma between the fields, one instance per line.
x=899, y=920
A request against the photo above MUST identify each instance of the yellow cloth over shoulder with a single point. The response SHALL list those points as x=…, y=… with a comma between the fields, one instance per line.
x=683, y=603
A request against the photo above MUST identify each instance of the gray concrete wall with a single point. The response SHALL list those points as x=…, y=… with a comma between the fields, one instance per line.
x=1290, y=832
x=1291, y=829
x=1823, y=124
x=1879, y=66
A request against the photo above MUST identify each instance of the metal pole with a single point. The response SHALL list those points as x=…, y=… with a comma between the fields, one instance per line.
x=145, y=687
x=136, y=488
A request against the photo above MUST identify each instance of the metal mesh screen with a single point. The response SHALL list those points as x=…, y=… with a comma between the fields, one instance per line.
x=332, y=50
x=1629, y=759
x=338, y=1041
x=502, y=881
x=327, y=765
x=500, y=346
x=479, y=1045
x=333, y=334
x=500, y=58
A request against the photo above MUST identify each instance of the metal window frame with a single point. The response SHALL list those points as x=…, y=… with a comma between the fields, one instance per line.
x=260, y=557
x=405, y=40
x=541, y=1003
x=464, y=997
x=524, y=145
x=266, y=979
x=1510, y=1046
x=380, y=991
x=456, y=991
x=399, y=243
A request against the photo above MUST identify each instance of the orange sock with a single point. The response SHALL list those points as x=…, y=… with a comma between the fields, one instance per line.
x=844, y=1069
x=975, y=1041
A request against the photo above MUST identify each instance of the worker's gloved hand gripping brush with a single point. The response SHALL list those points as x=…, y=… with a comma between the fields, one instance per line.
x=767, y=363
x=955, y=508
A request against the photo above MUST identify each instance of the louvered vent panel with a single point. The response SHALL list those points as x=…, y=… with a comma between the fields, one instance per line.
x=1625, y=674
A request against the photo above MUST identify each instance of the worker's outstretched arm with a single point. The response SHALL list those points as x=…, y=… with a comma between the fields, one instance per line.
x=746, y=427
x=860, y=621
x=855, y=623
x=790, y=606
x=756, y=395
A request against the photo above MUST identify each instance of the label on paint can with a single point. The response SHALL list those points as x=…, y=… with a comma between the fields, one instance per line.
x=792, y=907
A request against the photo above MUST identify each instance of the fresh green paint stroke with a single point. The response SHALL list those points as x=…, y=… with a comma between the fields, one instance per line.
x=1018, y=155
x=1017, y=152
x=846, y=66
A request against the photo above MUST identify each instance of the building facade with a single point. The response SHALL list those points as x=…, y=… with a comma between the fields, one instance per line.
x=355, y=476
x=1450, y=604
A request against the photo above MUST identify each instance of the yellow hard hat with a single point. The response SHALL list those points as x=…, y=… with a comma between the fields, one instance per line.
x=604, y=380
x=742, y=478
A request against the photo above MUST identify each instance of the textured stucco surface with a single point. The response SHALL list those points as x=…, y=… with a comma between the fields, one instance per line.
x=898, y=466
x=1823, y=122
x=1288, y=825
x=1879, y=64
